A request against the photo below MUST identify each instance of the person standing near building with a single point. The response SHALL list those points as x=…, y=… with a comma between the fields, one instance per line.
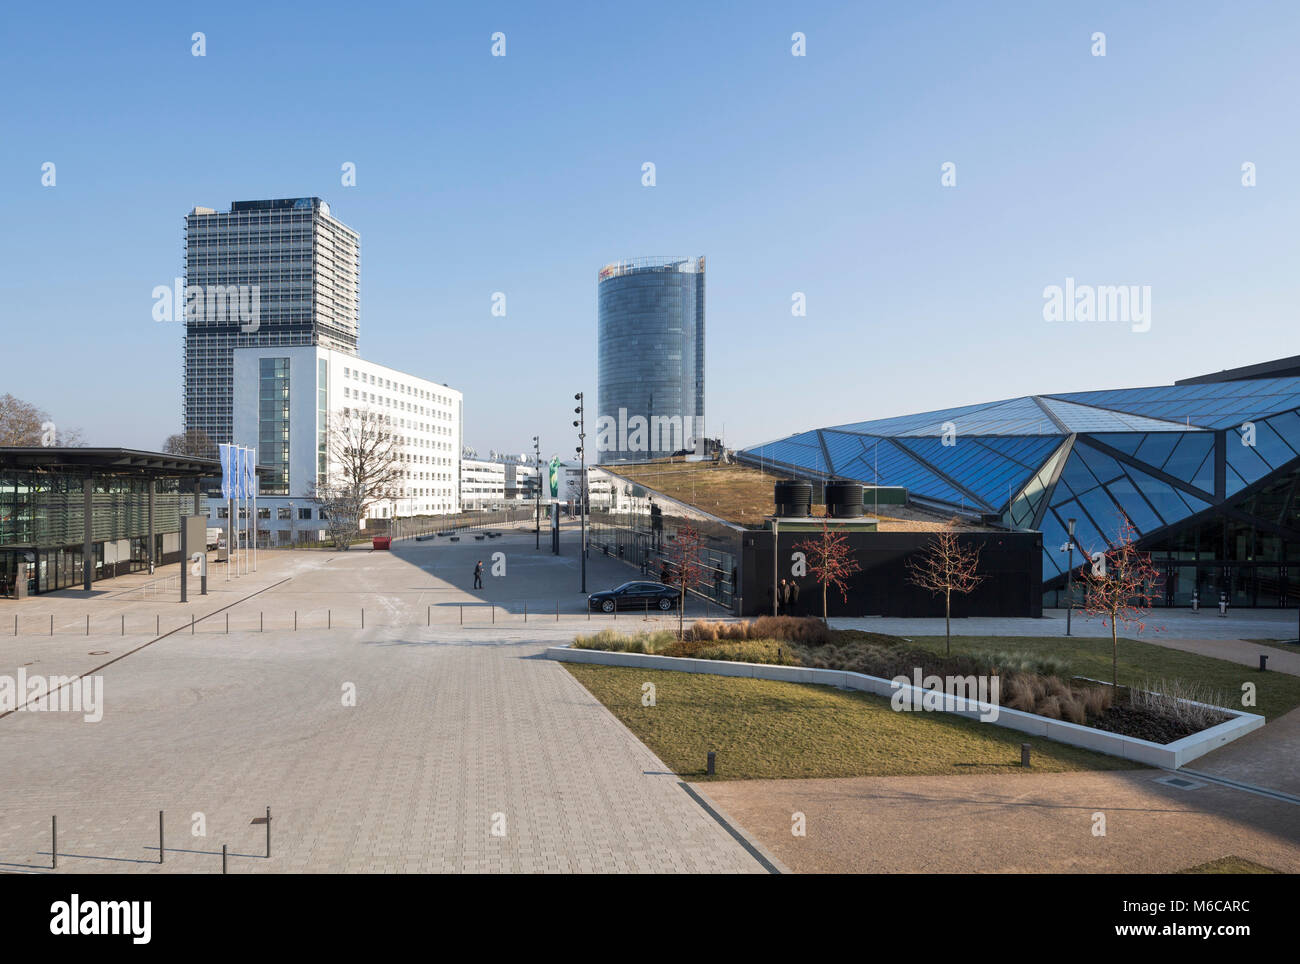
x=783, y=598
x=793, y=603
x=478, y=574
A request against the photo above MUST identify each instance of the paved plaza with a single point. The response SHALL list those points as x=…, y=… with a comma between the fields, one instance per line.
x=464, y=751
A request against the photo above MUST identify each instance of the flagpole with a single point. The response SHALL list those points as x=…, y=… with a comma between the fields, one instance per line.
x=254, y=508
x=239, y=497
x=243, y=479
x=223, y=452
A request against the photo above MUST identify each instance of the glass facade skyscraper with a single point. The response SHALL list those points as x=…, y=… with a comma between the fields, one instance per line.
x=271, y=273
x=650, y=358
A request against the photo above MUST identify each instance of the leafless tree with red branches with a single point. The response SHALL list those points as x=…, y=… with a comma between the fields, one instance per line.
x=684, y=555
x=1120, y=586
x=831, y=562
x=946, y=567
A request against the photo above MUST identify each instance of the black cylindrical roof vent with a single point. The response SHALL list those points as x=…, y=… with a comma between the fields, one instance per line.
x=793, y=499
x=844, y=500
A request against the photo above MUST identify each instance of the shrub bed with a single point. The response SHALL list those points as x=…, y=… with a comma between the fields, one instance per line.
x=1159, y=712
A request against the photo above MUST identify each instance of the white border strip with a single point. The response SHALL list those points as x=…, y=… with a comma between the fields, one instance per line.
x=1168, y=755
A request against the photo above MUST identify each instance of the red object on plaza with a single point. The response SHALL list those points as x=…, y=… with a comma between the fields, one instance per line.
x=381, y=542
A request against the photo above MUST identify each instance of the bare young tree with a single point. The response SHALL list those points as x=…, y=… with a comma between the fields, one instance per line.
x=946, y=567
x=193, y=442
x=1120, y=587
x=363, y=468
x=831, y=562
x=23, y=424
x=685, y=568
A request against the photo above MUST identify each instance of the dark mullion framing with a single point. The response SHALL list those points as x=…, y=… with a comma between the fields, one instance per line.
x=1151, y=470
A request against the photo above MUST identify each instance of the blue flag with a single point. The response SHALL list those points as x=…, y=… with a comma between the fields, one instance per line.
x=250, y=472
x=227, y=471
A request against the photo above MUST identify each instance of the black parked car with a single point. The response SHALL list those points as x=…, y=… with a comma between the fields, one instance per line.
x=635, y=595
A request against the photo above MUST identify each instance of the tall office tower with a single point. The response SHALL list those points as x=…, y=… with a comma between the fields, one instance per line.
x=274, y=273
x=650, y=358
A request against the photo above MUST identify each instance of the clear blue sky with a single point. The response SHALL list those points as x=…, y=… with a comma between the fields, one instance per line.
x=521, y=174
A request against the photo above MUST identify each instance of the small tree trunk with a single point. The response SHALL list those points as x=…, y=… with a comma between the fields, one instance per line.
x=1114, y=655
x=947, y=622
x=681, y=611
x=825, y=617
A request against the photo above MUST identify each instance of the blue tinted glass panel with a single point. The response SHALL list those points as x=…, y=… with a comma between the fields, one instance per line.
x=1127, y=444
x=1287, y=425
x=1054, y=560
x=1103, y=466
x=1269, y=446
x=1086, y=535
x=842, y=448
x=1076, y=474
x=1141, y=514
x=1105, y=514
x=1188, y=455
x=1246, y=461
x=1232, y=481
x=1157, y=447
x=1204, y=476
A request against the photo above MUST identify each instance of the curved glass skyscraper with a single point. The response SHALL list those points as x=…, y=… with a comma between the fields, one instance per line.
x=650, y=355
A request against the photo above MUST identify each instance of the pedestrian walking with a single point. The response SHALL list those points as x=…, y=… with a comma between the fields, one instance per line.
x=478, y=574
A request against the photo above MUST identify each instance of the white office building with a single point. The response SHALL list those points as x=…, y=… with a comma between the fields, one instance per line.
x=279, y=273
x=485, y=483
x=284, y=400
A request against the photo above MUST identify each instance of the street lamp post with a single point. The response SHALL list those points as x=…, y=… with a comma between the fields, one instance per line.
x=1069, y=577
x=581, y=425
x=537, y=491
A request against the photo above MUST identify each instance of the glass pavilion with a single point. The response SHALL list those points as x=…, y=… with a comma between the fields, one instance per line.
x=1207, y=473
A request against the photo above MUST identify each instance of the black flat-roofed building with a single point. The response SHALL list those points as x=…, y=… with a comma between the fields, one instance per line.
x=70, y=516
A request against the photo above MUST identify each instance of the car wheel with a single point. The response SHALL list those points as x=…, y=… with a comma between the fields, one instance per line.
x=665, y=603
x=607, y=606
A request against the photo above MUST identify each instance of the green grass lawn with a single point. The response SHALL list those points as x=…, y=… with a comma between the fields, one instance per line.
x=1230, y=865
x=1275, y=692
x=769, y=729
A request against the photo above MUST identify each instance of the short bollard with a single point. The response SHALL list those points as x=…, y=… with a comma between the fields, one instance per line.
x=1024, y=754
x=494, y=613
x=363, y=617
x=123, y=624
x=87, y=624
x=329, y=619
x=160, y=836
x=557, y=612
x=157, y=624
x=295, y=620
x=428, y=615
x=462, y=614
x=223, y=858
x=712, y=764
x=1263, y=662
x=525, y=611
x=261, y=623
x=51, y=624
x=227, y=624
x=54, y=843
x=191, y=624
